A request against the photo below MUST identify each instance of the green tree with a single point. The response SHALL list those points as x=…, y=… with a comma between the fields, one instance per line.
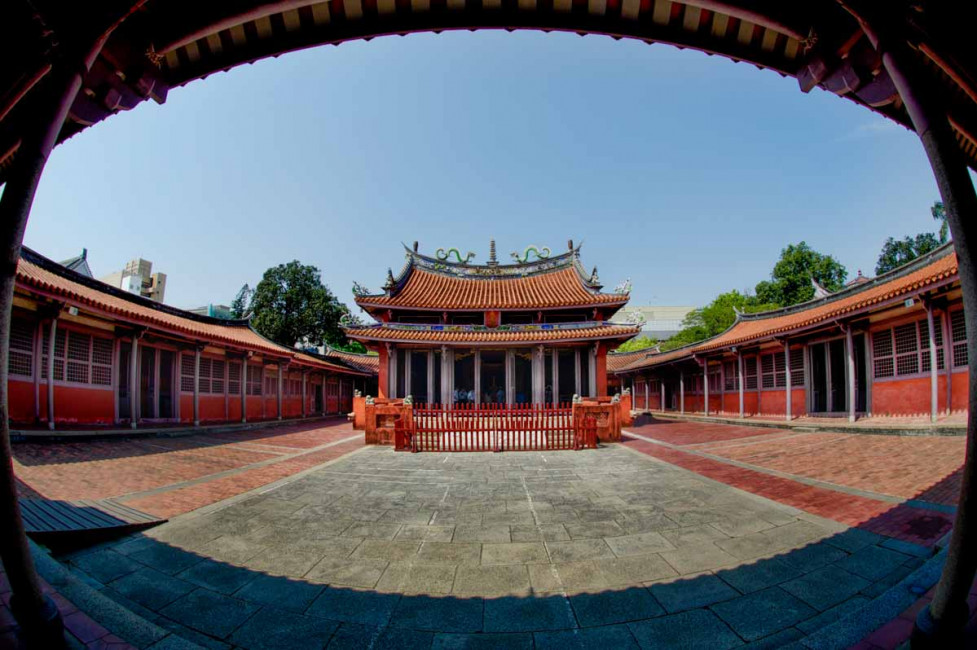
x=239, y=306
x=790, y=281
x=291, y=305
x=939, y=213
x=638, y=343
x=715, y=318
x=896, y=252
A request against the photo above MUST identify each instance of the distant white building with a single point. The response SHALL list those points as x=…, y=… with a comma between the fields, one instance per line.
x=137, y=277
x=660, y=322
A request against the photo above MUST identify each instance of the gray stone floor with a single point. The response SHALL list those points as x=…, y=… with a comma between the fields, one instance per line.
x=591, y=548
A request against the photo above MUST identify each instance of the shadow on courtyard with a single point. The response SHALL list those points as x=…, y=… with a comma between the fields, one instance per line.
x=773, y=601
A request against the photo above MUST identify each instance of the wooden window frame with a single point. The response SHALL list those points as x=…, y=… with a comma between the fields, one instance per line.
x=67, y=334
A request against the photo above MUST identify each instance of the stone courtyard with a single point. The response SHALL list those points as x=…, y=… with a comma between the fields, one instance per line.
x=608, y=548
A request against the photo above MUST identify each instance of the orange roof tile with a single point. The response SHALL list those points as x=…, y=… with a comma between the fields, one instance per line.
x=43, y=276
x=427, y=290
x=365, y=362
x=618, y=360
x=487, y=336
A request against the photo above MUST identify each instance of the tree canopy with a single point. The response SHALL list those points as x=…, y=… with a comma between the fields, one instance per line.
x=896, y=252
x=637, y=343
x=789, y=284
x=241, y=302
x=714, y=318
x=790, y=280
x=291, y=305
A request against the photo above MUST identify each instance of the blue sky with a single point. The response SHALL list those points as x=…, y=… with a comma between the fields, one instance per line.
x=685, y=172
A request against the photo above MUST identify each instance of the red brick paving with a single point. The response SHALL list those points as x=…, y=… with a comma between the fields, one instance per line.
x=185, y=499
x=898, y=521
x=909, y=467
x=113, y=468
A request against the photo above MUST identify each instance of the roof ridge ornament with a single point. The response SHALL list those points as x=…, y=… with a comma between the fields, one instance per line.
x=541, y=253
x=624, y=287
x=390, y=283
x=594, y=278
x=443, y=255
x=493, y=261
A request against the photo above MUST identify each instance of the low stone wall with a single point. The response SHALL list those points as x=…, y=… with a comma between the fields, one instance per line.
x=606, y=413
x=380, y=418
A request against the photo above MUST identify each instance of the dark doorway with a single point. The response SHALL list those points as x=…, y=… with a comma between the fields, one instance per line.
x=147, y=383
x=493, y=377
x=165, y=384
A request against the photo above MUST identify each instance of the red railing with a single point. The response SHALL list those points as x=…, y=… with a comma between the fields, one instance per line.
x=521, y=427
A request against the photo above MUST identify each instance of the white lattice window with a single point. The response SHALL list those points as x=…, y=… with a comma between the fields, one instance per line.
x=750, y=373
x=767, y=374
x=904, y=349
x=217, y=376
x=21, y=359
x=255, y=374
x=186, y=372
x=907, y=349
x=79, y=358
x=234, y=377
x=102, y=361
x=958, y=334
x=732, y=376
x=796, y=368
x=205, y=369
x=882, y=355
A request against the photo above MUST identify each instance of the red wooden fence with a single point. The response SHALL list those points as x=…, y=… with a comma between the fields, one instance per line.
x=523, y=427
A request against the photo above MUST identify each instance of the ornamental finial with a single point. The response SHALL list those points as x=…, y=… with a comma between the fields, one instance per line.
x=492, y=259
x=594, y=278
x=390, y=280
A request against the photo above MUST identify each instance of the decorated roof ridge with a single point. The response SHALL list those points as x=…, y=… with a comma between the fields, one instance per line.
x=46, y=263
x=460, y=334
x=849, y=289
x=477, y=327
x=576, y=286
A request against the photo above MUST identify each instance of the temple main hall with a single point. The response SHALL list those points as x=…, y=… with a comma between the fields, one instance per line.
x=534, y=331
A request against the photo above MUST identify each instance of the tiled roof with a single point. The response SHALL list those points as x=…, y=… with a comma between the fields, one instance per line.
x=939, y=267
x=595, y=331
x=43, y=276
x=657, y=359
x=560, y=288
x=618, y=360
x=365, y=362
x=839, y=305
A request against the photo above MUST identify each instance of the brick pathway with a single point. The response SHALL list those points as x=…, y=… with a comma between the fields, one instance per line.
x=169, y=476
x=909, y=467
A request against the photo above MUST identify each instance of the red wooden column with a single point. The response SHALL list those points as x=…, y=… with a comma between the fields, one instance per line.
x=36, y=613
x=941, y=624
x=601, y=370
x=383, y=376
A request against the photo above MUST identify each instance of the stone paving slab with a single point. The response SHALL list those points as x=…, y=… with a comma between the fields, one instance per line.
x=644, y=553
